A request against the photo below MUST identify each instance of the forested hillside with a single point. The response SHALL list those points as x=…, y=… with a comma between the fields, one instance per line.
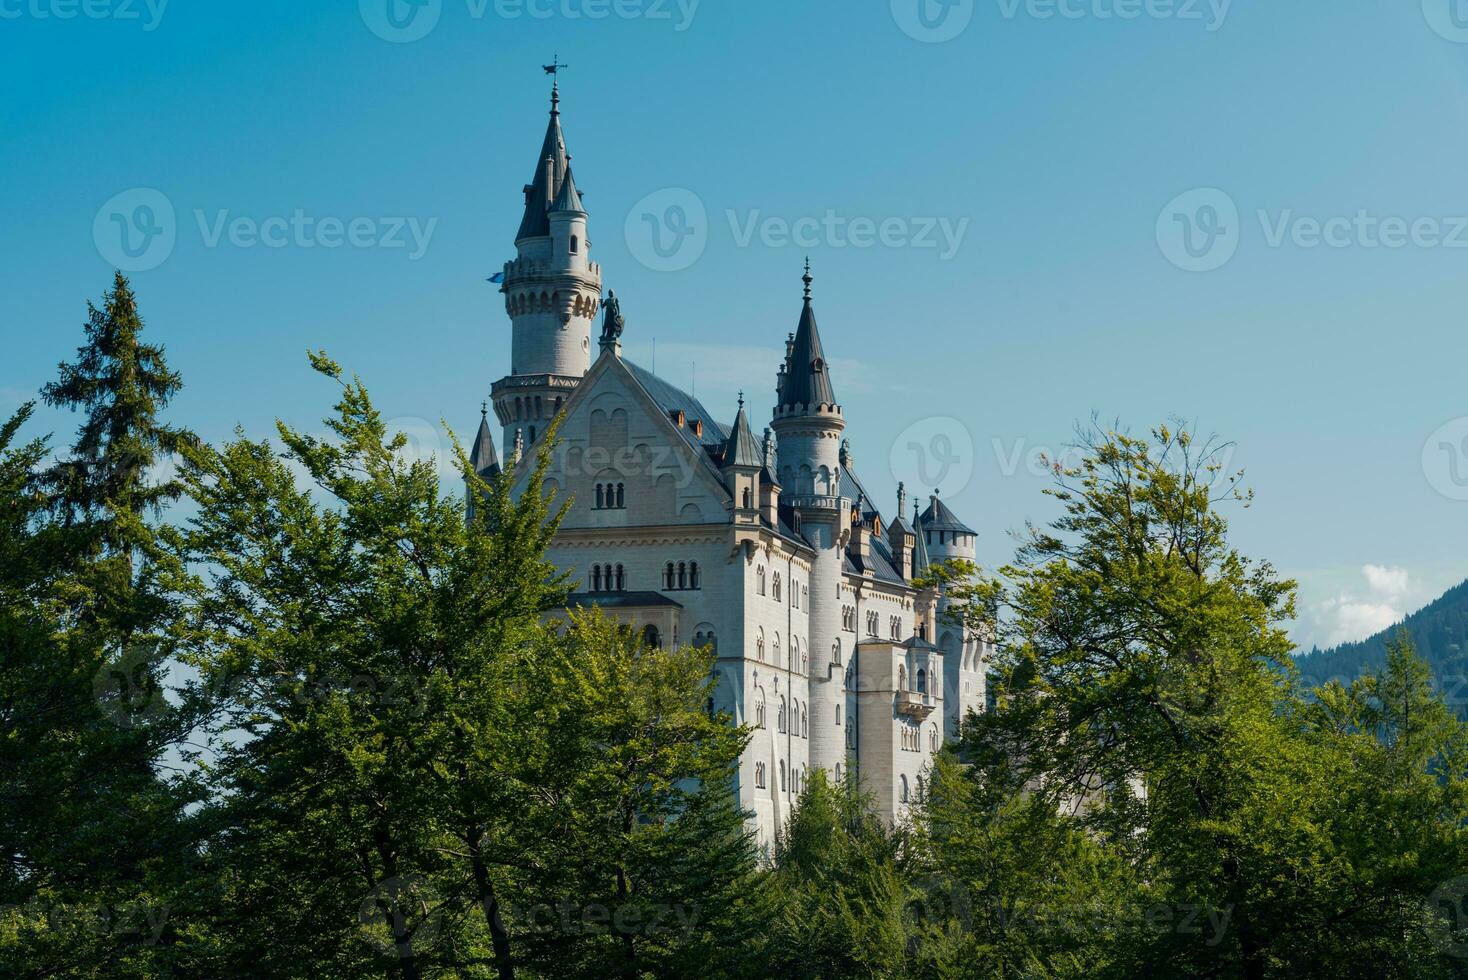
x=1439, y=632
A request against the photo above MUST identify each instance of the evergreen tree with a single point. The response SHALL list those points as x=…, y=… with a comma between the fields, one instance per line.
x=94, y=835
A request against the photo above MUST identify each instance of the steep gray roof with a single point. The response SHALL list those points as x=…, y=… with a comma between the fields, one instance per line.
x=920, y=559
x=807, y=374
x=939, y=518
x=482, y=456
x=539, y=194
x=568, y=199
x=741, y=449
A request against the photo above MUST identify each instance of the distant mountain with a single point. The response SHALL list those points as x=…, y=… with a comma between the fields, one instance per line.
x=1440, y=632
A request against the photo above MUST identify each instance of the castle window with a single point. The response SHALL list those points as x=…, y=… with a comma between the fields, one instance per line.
x=922, y=681
x=903, y=788
x=838, y=715
x=693, y=581
x=920, y=789
x=776, y=590
x=621, y=579
x=901, y=678
x=781, y=719
x=621, y=495
x=600, y=498
x=759, y=713
x=575, y=244
x=838, y=772
x=759, y=580
x=596, y=578
x=668, y=576
x=836, y=653
x=759, y=646
x=748, y=499
x=652, y=637
x=933, y=738
x=759, y=775
x=804, y=722
x=682, y=575
x=782, y=777
x=776, y=649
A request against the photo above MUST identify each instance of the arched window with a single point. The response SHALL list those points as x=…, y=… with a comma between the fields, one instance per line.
x=668, y=576
x=600, y=498
x=782, y=777
x=759, y=645
x=836, y=653
x=777, y=587
x=922, y=681
x=933, y=738
x=901, y=678
x=804, y=721
x=748, y=499
x=621, y=579
x=621, y=496
x=775, y=648
x=920, y=789
x=759, y=579
x=693, y=582
x=596, y=578
x=838, y=772
x=903, y=785
x=682, y=575
x=794, y=655
x=838, y=716
x=759, y=775
x=782, y=719
x=651, y=637
x=575, y=244
x=759, y=712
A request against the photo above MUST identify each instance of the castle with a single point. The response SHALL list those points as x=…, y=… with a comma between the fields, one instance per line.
x=769, y=550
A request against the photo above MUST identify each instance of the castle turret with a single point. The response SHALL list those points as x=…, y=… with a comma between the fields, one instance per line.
x=482, y=457
x=808, y=426
x=552, y=290
x=743, y=461
x=943, y=536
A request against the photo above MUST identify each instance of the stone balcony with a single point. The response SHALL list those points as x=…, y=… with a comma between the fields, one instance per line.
x=915, y=705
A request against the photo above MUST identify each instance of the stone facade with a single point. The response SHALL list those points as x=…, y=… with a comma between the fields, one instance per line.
x=769, y=550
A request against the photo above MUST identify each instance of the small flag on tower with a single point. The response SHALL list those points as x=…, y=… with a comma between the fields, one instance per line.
x=497, y=277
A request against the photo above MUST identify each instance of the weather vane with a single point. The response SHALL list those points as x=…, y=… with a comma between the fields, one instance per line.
x=554, y=68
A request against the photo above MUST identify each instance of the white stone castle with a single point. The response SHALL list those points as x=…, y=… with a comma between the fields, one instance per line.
x=770, y=551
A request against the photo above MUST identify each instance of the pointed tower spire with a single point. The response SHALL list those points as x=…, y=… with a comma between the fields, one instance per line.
x=920, y=553
x=550, y=171
x=482, y=457
x=742, y=450
x=567, y=199
x=806, y=381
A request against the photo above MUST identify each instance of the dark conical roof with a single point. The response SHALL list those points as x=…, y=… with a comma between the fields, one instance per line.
x=482, y=457
x=568, y=199
x=542, y=192
x=939, y=518
x=920, y=560
x=807, y=374
x=741, y=449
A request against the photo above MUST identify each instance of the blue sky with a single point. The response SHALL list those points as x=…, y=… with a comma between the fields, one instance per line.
x=1002, y=224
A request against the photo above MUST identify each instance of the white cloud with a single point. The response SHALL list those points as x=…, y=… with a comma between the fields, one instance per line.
x=1350, y=615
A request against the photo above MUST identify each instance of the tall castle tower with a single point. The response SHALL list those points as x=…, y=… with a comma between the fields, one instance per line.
x=946, y=537
x=808, y=426
x=552, y=291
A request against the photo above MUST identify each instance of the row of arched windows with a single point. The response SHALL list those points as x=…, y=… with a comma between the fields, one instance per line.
x=894, y=627
x=683, y=575
x=611, y=496
x=799, y=659
x=921, y=679
x=608, y=578
x=872, y=623
x=902, y=790
x=912, y=738
x=848, y=618
x=795, y=719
